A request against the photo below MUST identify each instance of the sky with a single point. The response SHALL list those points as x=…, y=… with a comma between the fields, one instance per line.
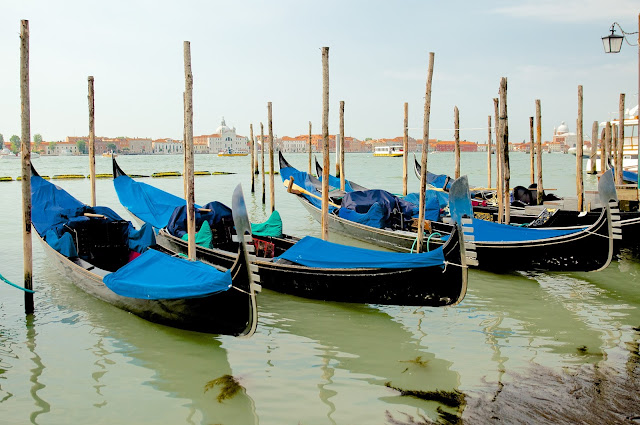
x=247, y=53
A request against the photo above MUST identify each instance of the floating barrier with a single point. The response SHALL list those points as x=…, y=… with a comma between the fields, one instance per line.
x=19, y=178
x=221, y=173
x=68, y=176
x=102, y=176
x=6, y=179
x=167, y=174
x=137, y=176
x=201, y=173
x=274, y=173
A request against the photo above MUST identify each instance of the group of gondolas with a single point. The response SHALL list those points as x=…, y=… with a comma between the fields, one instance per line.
x=145, y=271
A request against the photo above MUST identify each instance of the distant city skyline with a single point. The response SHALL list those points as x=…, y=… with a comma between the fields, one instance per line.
x=245, y=54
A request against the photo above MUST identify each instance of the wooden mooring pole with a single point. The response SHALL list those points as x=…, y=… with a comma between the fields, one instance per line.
x=425, y=154
x=532, y=153
x=92, y=144
x=614, y=146
x=456, y=136
x=252, y=149
x=579, y=143
x=310, y=149
x=405, y=150
x=272, y=193
x=606, y=147
x=539, y=150
x=188, y=144
x=489, y=148
x=504, y=136
x=499, y=165
x=620, y=146
x=324, y=222
x=594, y=148
x=25, y=102
x=342, y=176
x=262, y=148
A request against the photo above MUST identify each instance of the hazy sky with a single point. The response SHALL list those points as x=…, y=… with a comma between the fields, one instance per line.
x=247, y=53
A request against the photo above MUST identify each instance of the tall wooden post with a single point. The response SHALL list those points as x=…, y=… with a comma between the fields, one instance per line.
x=262, y=148
x=614, y=145
x=310, y=148
x=405, y=150
x=489, y=148
x=25, y=104
x=342, y=176
x=499, y=164
x=504, y=136
x=532, y=153
x=271, y=170
x=606, y=147
x=620, y=146
x=579, y=143
x=92, y=144
x=594, y=147
x=456, y=136
x=539, y=150
x=188, y=144
x=325, y=144
x=252, y=150
x=425, y=153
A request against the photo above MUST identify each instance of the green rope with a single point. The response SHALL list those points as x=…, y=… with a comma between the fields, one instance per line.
x=428, y=239
x=16, y=286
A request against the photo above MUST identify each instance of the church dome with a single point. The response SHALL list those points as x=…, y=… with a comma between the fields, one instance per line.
x=563, y=129
x=223, y=127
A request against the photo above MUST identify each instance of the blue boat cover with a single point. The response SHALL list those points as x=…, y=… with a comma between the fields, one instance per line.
x=334, y=182
x=51, y=206
x=439, y=180
x=374, y=217
x=314, y=252
x=148, y=203
x=177, y=224
x=435, y=200
x=64, y=244
x=157, y=276
x=487, y=231
x=139, y=240
x=272, y=227
x=361, y=202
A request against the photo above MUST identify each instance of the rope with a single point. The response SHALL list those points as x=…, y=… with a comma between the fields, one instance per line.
x=428, y=239
x=16, y=286
x=454, y=264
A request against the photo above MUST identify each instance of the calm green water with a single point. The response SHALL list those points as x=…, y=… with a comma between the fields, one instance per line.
x=538, y=348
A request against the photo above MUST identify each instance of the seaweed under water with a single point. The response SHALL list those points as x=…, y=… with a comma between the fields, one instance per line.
x=230, y=387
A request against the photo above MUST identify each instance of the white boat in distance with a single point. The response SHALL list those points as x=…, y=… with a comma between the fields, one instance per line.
x=630, y=145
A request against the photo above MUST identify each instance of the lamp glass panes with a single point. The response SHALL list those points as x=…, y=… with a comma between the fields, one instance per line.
x=612, y=43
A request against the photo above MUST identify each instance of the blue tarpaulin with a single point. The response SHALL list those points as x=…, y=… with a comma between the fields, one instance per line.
x=487, y=231
x=374, y=217
x=157, y=276
x=146, y=202
x=434, y=202
x=52, y=206
x=361, y=202
x=314, y=252
x=177, y=224
x=64, y=244
x=302, y=179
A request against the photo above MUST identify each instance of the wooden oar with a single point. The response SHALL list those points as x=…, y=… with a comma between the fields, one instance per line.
x=291, y=186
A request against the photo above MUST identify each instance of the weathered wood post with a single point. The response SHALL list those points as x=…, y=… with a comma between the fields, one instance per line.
x=532, y=153
x=620, y=146
x=252, y=150
x=325, y=144
x=405, y=150
x=188, y=144
x=456, y=136
x=504, y=136
x=499, y=165
x=25, y=104
x=606, y=147
x=342, y=176
x=579, y=143
x=614, y=145
x=539, y=150
x=271, y=170
x=425, y=153
x=594, y=147
x=310, y=148
x=489, y=148
x=92, y=144
x=262, y=148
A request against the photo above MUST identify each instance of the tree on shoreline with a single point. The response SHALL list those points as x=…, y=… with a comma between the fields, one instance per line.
x=37, y=141
x=82, y=146
x=15, y=143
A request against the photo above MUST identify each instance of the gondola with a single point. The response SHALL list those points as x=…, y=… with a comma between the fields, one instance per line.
x=103, y=255
x=498, y=247
x=316, y=269
x=552, y=217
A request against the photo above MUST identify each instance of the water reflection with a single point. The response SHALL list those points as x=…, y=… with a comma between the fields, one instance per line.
x=41, y=405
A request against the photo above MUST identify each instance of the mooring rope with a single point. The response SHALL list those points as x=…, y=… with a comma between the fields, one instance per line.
x=4, y=279
x=428, y=239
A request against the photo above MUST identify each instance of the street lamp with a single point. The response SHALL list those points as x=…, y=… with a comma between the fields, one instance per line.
x=613, y=42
